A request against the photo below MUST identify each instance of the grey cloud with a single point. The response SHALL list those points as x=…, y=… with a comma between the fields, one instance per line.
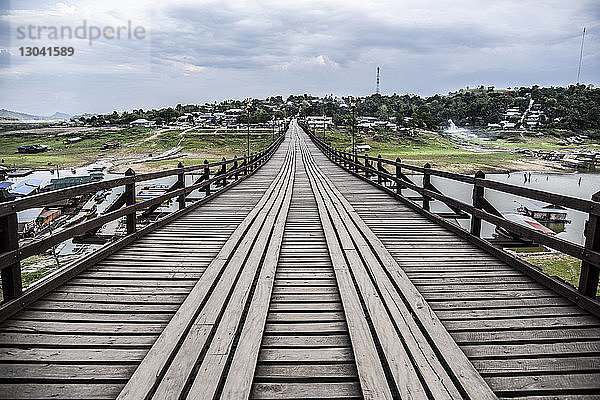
x=207, y=50
x=227, y=38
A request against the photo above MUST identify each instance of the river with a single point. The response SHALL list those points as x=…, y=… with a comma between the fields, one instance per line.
x=561, y=183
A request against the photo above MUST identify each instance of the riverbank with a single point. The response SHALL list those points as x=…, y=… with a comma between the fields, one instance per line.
x=565, y=267
x=125, y=147
x=134, y=145
x=456, y=154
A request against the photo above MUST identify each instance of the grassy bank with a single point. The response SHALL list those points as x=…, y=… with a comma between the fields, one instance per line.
x=441, y=151
x=562, y=266
x=427, y=147
x=136, y=143
x=447, y=153
x=64, y=154
x=196, y=149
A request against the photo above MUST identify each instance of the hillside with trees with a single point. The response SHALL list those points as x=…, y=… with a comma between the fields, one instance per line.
x=573, y=108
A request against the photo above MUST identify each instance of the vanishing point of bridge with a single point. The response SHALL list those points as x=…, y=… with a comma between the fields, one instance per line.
x=304, y=281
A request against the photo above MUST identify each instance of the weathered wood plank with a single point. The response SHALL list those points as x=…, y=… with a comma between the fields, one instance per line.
x=90, y=317
x=104, y=307
x=60, y=390
x=545, y=383
x=20, y=339
x=302, y=371
x=531, y=366
x=370, y=369
x=306, y=327
x=49, y=355
x=27, y=372
x=304, y=390
x=522, y=323
x=81, y=327
x=304, y=341
x=537, y=349
x=316, y=355
x=526, y=335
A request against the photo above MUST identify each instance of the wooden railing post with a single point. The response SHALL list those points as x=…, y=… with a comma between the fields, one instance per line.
x=367, y=165
x=181, y=185
x=235, y=168
x=206, y=178
x=355, y=162
x=224, y=172
x=398, y=176
x=478, y=192
x=588, y=279
x=426, y=185
x=379, y=177
x=12, y=286
x=129, y=201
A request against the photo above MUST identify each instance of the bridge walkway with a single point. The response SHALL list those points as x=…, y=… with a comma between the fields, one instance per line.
x=526, y=340
x=86, y=338
x=301, y=282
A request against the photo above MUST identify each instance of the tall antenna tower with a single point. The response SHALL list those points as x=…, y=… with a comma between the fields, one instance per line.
x=580, y=56
x=377, y=90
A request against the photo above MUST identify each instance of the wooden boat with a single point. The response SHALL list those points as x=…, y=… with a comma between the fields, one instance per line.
x=542, y=211
x=525, y=221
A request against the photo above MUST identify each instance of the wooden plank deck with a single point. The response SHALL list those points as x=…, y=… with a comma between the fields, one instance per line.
x=306, y=350
x=524, y=339
x=235, y=336
x=86, y=338
x=198, y=355
x=417, y=355
x=301, y=282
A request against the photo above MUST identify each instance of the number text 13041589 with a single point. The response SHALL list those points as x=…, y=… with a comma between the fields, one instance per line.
x=55, y=51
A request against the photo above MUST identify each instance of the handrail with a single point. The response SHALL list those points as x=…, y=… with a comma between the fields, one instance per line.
x=11, y=253
x=481, y=209
x=44, y=198
x=574, y=203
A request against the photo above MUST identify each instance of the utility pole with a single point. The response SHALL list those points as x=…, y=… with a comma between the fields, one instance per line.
x=323, y=112
x=377, y=90
x=353, y=104
x=248, y=134
x=580, y=55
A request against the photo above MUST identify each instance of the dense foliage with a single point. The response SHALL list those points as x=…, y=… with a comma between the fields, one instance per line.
x=573, y=108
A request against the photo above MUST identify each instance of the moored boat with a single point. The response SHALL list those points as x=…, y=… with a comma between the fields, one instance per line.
x=542, y=211
x=525, y=221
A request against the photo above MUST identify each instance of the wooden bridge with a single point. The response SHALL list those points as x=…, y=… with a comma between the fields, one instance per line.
x=300, y=272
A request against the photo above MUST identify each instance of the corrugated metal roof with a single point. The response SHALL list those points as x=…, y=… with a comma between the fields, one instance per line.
x=29, y=215
x=26, y=187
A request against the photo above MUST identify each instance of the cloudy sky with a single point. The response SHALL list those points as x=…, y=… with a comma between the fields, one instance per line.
x=197, y=51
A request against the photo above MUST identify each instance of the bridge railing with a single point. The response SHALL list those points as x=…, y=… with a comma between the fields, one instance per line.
x=214, y=178
x=388, y=174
